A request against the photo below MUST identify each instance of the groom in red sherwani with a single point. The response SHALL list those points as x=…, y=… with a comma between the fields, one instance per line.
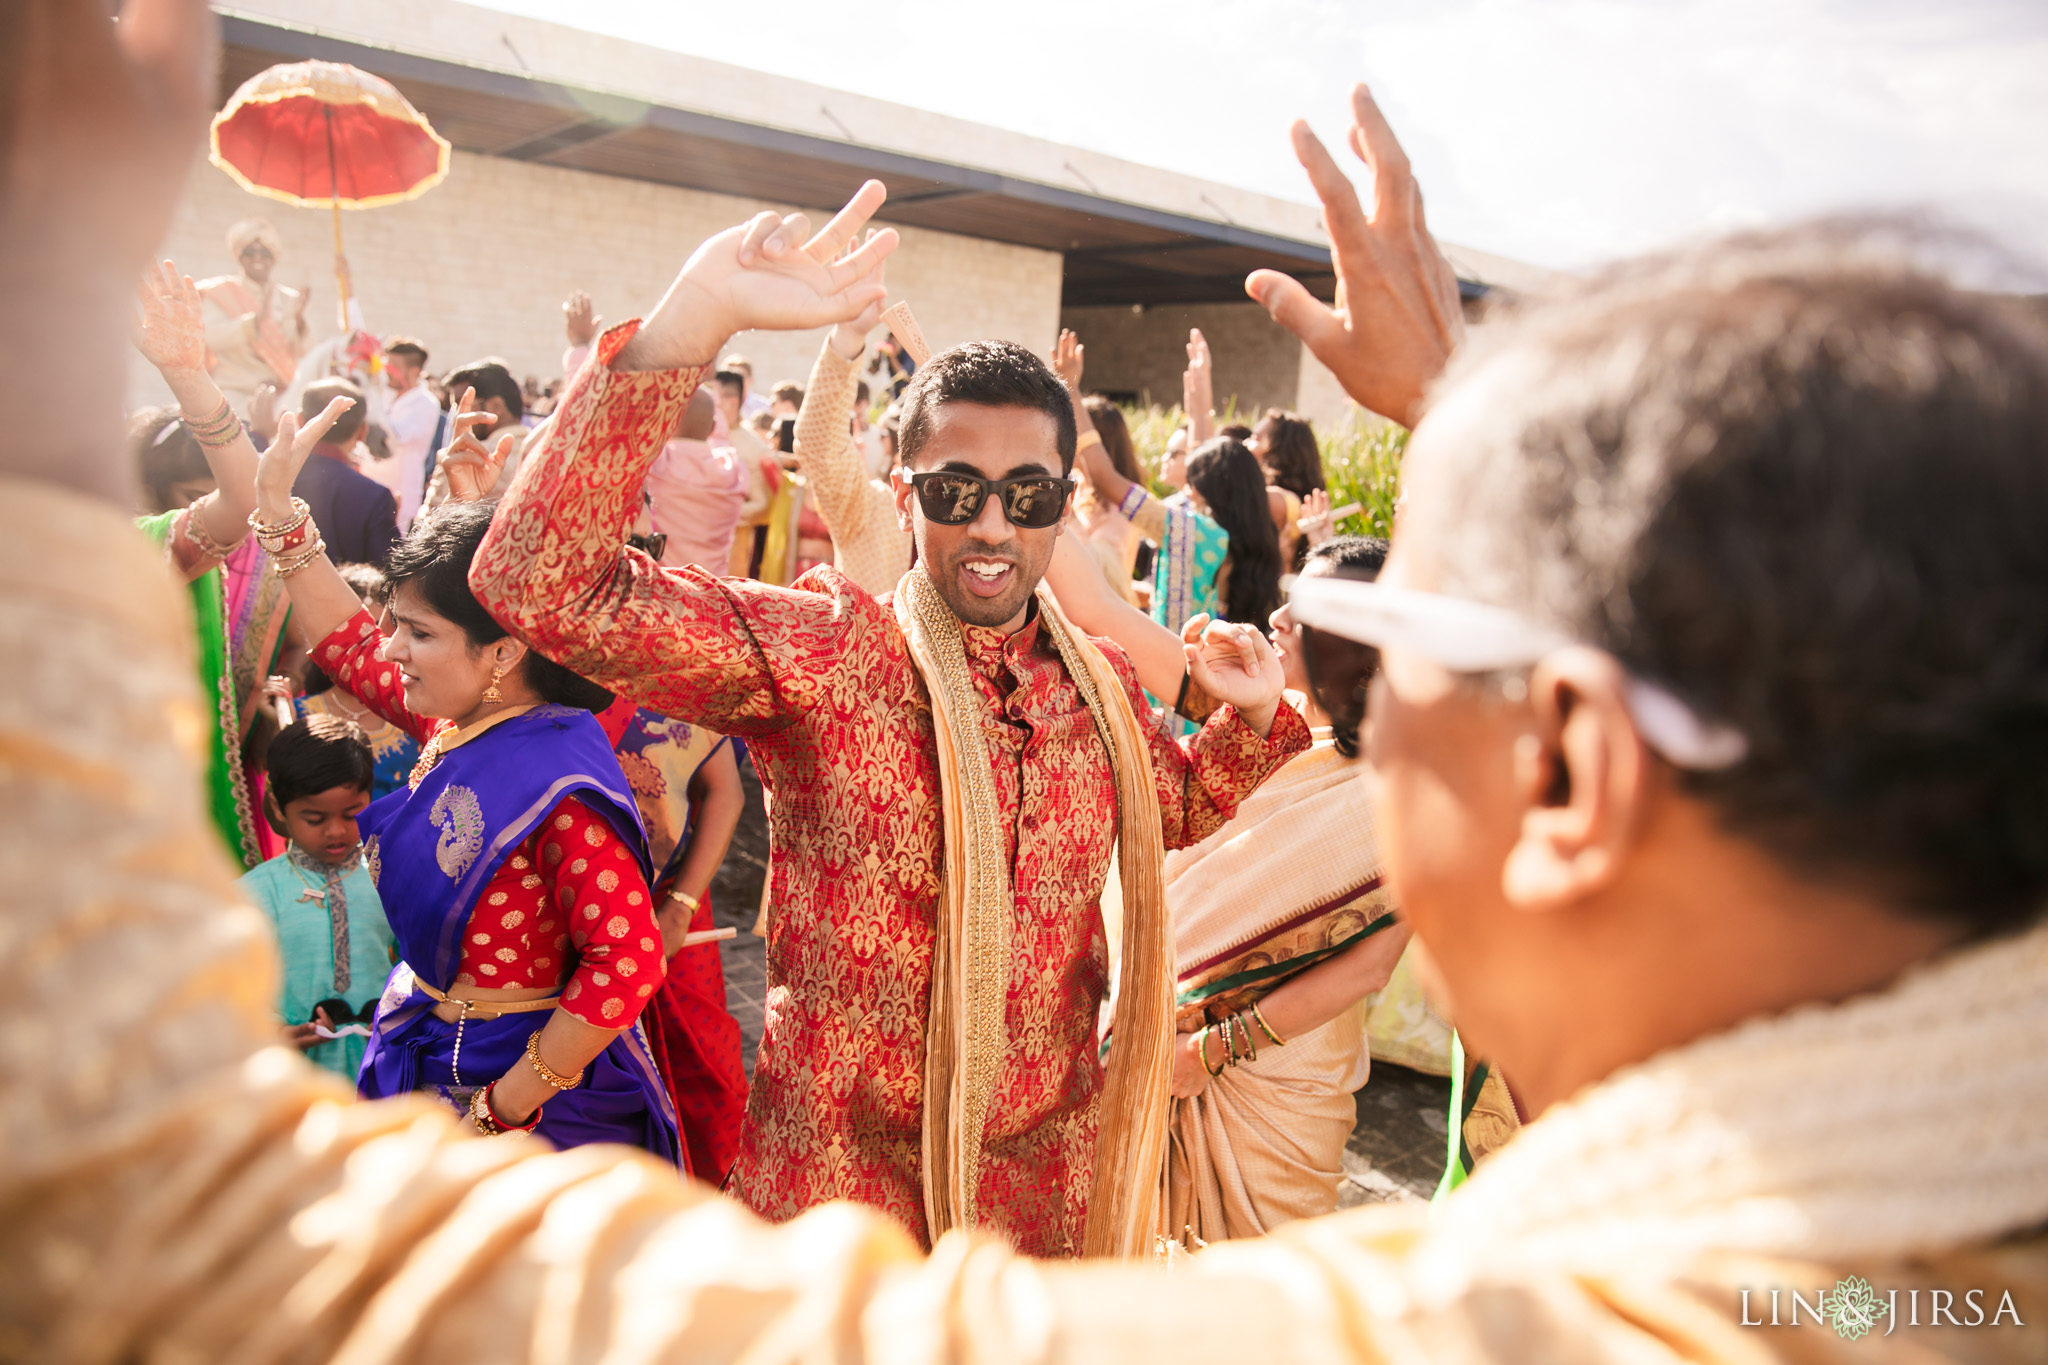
x=819, y=679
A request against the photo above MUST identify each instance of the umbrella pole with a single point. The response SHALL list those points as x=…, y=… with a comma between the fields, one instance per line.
x=334, y=197
x=340, y=279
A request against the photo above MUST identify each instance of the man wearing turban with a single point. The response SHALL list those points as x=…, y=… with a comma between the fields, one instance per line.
x=255, y=327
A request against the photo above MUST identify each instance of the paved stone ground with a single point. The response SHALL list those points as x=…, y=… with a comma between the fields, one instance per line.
x=1396, y=1152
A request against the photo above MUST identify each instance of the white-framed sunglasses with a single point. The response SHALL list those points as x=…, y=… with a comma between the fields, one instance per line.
x=1474, y=637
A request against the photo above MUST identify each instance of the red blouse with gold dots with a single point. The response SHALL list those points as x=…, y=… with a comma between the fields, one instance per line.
x=571, y=893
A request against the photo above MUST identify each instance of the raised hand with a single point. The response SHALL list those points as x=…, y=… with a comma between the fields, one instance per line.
x=1235, y=664
x=1397, y=317
x=580, y=320
x=104, y=120
x=769, y=273
x=473, y=467
x=263, y=410
x=1198, y=389
x=1068, y=356
x=170, y=333
x=277, y=469
x=1315, y=516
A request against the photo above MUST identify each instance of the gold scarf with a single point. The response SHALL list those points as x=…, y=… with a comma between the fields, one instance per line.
x=965, y=1042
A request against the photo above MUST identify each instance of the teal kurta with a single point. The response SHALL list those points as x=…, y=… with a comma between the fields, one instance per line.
x=338, y=947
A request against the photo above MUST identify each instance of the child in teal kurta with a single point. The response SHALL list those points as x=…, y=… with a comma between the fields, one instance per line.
x=332, y=937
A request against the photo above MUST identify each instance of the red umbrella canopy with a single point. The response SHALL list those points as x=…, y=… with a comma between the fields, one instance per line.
x=318, y=134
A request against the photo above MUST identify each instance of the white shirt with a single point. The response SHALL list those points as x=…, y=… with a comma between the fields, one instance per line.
x=409, y=421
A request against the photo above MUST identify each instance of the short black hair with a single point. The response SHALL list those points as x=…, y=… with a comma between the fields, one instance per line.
x=1360, y=557
x=731, y=379
x=314, y=400
x=996, y=374
x=368, y=580
x=1799, y=479
x=409, y=348
x=317, y=754
x=490, y=379
x=434, y=560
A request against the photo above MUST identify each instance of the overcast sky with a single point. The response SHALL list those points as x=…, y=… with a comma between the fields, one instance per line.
x=1564, y=132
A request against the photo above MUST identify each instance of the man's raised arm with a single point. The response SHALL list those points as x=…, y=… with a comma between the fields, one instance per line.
x=553, y=569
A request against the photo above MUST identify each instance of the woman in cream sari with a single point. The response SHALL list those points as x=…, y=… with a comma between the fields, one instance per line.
x=1282, y=927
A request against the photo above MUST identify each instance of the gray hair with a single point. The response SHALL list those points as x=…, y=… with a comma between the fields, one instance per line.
x=1801, y=480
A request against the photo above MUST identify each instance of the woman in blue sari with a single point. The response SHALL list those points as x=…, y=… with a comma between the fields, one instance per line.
x=513, y=866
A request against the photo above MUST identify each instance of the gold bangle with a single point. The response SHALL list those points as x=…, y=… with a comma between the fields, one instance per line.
x=486, y=1119
x=687, y=899
x=1090, y=437
x=1278, y=1041
x=286, y=567
x=548, y=1073
x=1251, y=1043
x=218, y=430
x=196, y=532
x=217, y=442
x=1202, y=1052
x=271, y=538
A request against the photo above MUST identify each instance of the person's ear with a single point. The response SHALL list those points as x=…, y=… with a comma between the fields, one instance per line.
x=273, y=814
x=1583, y=775
x=508, y=654
x=903, y=491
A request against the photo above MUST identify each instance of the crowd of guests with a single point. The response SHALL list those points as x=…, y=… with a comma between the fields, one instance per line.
x=765, y=487
x=1687, y=723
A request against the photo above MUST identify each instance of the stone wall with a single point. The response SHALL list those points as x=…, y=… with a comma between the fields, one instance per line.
x=480, y=264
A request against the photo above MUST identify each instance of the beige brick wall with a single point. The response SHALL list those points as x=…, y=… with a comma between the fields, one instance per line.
x=480, y=264
x=1258, y=362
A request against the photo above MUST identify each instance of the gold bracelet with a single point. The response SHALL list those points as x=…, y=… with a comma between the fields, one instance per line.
x=218, y=430
x=486, y=1119
x=271, y=538
x=1202, y=1052
x=217, y=442
x=687, y=899
x=548, y=1073
x=1278, y=1041
x=196, y=532
x=287, y=567
x=1090, y=437
x=1244, y=1031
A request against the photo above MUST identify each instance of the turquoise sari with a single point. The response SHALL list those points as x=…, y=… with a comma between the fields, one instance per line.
x=1184, y=571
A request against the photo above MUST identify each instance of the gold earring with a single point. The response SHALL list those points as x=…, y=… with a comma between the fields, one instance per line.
x=492, y=696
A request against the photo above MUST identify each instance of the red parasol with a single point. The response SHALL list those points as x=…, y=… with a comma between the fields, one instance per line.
x=321, y=134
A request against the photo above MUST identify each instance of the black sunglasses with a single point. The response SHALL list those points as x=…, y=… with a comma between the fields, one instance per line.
x=952, y=499
x=1340, y=672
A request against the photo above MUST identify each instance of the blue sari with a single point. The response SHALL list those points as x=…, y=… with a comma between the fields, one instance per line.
x=432, y=850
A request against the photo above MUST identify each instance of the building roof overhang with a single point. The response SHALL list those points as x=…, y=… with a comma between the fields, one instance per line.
x=1116, y=252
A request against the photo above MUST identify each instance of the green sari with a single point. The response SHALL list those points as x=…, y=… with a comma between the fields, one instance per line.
x=227, y=792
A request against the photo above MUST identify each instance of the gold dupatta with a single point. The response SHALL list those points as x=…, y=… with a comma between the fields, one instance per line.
x=965, y=1040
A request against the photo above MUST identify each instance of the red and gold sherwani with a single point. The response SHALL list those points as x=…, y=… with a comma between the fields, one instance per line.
x=818, y=679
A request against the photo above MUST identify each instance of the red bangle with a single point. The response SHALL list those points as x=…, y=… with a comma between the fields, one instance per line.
x=486, y=1119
